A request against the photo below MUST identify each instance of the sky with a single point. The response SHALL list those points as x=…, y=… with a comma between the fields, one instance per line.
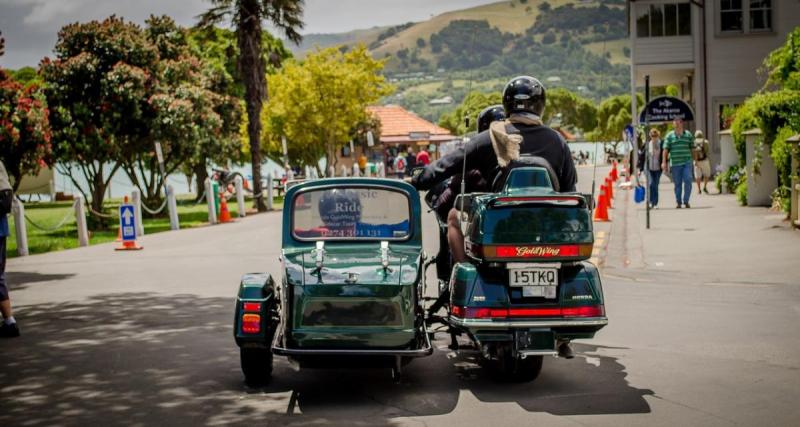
x=30, y=27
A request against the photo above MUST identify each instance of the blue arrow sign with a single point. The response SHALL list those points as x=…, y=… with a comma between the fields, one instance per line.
x=127, y=222
x=629, y=132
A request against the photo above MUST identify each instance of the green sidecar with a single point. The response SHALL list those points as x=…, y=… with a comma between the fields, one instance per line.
x=350, y=295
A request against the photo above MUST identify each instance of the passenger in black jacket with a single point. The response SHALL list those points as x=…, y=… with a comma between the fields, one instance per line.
x=537, y=140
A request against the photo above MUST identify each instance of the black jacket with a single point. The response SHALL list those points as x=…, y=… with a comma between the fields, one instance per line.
x=537, y=141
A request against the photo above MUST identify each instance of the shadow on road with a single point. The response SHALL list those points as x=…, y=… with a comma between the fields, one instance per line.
x=18, y=280
x=152, y=359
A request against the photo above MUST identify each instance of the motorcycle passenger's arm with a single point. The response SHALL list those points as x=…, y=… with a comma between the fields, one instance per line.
x=478, y=151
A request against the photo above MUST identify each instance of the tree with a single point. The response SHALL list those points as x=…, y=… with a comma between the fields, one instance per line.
x=316, y=103
x=94, y=88
x=575, y=111
x=178, y=109
x=776, y=111
x=247, y=17
x=218, y=49
x=420, y=43
x=473, y=103
x=612, y=116
x=24, y=127
x=544, y=7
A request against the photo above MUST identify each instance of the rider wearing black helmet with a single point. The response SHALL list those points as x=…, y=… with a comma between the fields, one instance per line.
x=475, y=182
x=488, y=115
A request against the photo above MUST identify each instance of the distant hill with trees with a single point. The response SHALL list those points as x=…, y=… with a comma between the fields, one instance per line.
x=580, y=45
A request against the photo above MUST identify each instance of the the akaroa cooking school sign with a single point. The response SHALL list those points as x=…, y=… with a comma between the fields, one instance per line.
x=666, y=109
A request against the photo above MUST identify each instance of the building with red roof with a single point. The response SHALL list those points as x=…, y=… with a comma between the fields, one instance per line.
x=402, y=127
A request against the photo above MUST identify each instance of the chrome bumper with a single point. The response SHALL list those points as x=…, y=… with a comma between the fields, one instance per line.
x=425, y=350
x=544, y=323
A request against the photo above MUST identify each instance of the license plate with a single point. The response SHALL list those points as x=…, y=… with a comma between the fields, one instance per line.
x=533, y=277
x=539, y=291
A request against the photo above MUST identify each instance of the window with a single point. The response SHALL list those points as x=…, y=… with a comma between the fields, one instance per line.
x=745, y=16
x=351, y=213
x=760, y=15
x=730, y=13
x=664, y=20
x=656, y=20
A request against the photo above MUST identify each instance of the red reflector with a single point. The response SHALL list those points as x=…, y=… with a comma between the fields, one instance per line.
x=534, y=312
x=501, y=313
x=251, y=323
x=252, y=307
x=584, y=311
x=538, y=199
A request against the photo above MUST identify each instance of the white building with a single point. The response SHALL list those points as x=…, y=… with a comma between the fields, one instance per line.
x=711, y=49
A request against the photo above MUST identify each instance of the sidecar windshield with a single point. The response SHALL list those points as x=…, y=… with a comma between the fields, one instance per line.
x=351, y=213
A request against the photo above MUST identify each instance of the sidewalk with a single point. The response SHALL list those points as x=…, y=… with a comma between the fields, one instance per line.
x=717, y=240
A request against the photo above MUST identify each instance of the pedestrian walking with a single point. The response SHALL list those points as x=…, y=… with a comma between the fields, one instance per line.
x=677, y=153
x=702, y=165
x=652, y=164
x=411, y=159
x=400, y=166
x=9, y=328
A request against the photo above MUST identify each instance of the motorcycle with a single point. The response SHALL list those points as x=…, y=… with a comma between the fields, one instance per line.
x=527, y=286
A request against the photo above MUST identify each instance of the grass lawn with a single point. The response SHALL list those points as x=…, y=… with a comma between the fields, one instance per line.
x=48, y=215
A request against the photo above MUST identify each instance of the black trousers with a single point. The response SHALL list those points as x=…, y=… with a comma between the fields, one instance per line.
x=3, y=287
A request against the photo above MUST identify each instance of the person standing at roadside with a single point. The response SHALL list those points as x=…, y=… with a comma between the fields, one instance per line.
x=423, y=158
x=652, y=164
x=678, y=145
x=8, y=329
x=702, y=166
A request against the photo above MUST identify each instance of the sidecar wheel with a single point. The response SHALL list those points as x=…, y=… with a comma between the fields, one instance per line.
x=256, y=365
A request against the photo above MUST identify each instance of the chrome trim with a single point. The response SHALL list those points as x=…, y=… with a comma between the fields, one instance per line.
x=427, y=350
x=367, y=184
x=514, y=265
x=495, y=324
x=525, y=353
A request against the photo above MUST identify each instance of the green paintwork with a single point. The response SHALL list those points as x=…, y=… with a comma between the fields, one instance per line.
x=254, y=287
x=330, y=310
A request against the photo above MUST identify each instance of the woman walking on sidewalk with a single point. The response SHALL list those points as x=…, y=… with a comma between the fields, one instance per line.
x=653, y=162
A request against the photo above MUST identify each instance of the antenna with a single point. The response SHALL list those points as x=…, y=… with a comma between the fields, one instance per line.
x=466, y=122
x=594, y=169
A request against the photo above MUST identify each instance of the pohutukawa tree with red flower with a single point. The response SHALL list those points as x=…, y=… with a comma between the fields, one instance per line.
x=24, y=128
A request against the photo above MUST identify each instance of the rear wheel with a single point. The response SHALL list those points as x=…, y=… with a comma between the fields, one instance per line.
x=256, y=365
x=513, y=369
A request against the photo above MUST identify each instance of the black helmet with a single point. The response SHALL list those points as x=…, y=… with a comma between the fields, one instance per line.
x=489, y=115
x=524, y=94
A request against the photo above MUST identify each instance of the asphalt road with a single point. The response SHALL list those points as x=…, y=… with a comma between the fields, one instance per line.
x=144, y=338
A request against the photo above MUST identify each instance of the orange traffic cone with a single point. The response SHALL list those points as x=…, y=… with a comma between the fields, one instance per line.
x=614, y=174
x=224, y=213
x=610, y=186
x=129, y=246
x=601, y=211
x=119, y=235
x=606, y=192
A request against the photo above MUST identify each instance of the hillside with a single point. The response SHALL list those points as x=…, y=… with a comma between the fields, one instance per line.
x=577, y=44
